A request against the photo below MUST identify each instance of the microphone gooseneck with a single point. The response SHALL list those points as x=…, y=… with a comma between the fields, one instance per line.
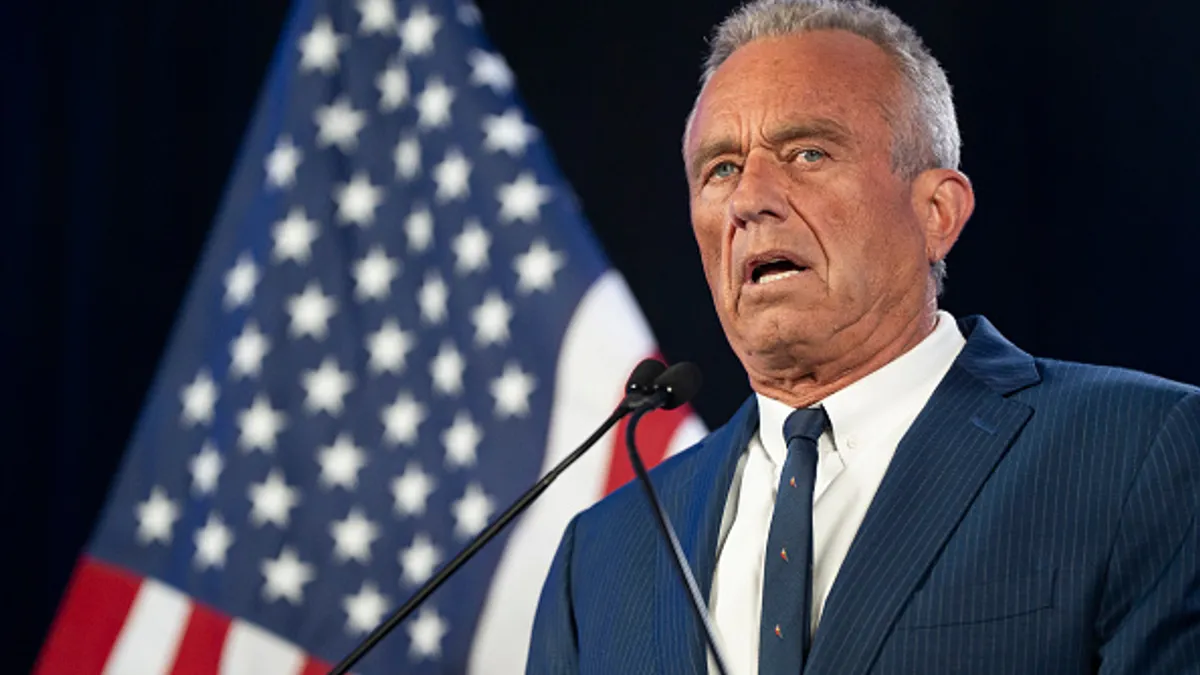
x=674, y=387
x=641, y=386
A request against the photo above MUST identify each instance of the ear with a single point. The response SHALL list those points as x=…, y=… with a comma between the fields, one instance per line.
x=943, y=201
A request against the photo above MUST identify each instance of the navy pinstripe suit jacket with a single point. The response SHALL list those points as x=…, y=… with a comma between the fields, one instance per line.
x=1038, y=517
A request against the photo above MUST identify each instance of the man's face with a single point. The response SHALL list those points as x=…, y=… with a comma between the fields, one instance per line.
x=810, y=242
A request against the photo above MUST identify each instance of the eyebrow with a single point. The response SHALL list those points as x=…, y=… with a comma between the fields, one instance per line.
x=816, y=128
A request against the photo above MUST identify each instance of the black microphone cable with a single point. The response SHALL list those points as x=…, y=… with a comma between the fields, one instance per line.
x=674, y=387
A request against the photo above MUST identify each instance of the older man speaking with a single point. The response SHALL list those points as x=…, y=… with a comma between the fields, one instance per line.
x=904, y=493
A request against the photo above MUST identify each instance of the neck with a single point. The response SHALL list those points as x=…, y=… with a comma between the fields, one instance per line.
x=808, y=380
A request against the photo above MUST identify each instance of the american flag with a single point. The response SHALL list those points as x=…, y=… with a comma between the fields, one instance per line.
x=400, y=321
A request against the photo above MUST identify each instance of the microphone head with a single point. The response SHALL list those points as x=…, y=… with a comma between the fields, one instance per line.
x=680, y=382
x=641, y=380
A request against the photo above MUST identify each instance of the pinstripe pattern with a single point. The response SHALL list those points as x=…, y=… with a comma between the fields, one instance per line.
x=1038, y=517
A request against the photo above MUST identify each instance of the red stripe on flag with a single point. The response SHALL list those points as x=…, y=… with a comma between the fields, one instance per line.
x=315, y=667
x=89, y=619
x=655, y=432
x=200, y=649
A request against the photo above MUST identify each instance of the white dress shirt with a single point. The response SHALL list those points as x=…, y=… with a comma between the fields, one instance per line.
x=868, y=419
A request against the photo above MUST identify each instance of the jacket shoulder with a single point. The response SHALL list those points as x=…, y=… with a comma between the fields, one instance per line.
x=670, y=476
x=1108, y=405
x=626, y=511
x=1118, y=386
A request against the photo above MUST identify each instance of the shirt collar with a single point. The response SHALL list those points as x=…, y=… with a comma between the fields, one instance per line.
x=868, y=407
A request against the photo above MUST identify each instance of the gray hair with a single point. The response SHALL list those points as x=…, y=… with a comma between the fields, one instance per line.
x=925, y=131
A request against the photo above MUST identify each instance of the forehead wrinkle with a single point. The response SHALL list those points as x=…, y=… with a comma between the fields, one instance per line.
x=812, y=127
x=878, y=77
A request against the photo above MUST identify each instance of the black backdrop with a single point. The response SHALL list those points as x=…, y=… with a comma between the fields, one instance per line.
x=120, y=125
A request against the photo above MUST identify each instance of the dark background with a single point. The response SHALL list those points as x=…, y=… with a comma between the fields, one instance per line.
x=121, y=121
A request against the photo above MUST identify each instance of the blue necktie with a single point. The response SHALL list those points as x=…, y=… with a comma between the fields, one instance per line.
x=787, y=572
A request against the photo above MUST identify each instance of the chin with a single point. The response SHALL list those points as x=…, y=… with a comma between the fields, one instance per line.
x=775, y=343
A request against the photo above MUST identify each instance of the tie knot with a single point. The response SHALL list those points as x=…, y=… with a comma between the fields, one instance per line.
x=806, y=423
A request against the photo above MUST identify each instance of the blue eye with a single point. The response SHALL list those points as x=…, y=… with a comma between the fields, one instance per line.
x=811, y=155
x=724, y=170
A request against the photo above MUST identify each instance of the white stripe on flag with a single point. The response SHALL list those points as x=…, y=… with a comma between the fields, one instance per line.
x=250, y=650
x=152, y=631
x=690, y=431
x=606, y=338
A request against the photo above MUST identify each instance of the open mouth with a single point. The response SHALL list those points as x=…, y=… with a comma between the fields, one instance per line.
x=774, y=269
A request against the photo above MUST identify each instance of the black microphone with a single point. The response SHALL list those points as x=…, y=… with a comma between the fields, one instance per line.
x=641, y=388
x=674, y=387
x=642, y=383
x=678, y=384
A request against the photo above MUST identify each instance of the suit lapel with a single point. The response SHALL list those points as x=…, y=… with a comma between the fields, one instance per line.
x=695, y=504
x=938, y=468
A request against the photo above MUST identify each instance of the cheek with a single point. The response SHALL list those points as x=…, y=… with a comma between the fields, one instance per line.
x=886, y=250
x=857, y=245
x=708, y=240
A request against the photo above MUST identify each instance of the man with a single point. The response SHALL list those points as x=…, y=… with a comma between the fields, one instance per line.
x=905, y=493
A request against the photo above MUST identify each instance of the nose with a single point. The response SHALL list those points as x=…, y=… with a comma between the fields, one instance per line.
x=760, y=196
